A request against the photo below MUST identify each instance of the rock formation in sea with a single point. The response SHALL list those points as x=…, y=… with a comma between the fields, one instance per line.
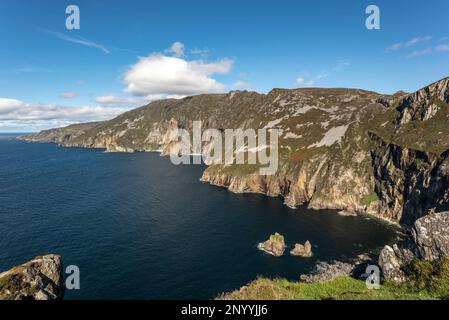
x=304, y=251
x=275, y=245
x=38, y=279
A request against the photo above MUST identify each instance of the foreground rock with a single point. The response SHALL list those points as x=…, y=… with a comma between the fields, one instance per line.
x=38, y=279
x=274, y=246
x=429, y=240
x=304, y=251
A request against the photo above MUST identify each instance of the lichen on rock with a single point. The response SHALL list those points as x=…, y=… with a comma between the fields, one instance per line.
x=38, y=279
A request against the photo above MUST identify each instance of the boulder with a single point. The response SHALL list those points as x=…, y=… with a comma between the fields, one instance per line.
x=431, y=236
x=275, y=245
x=38, y=279
x=300, y=250
x=391, y=265
x=429, y=240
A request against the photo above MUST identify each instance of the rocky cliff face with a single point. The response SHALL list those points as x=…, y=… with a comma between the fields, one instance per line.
x=38, y=279
x=345, y=149
x=429, y=241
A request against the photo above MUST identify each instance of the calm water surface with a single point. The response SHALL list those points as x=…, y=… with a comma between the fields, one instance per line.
x=139, y=227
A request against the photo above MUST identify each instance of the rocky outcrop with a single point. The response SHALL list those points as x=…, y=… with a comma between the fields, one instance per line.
x=428, y=240
x=424, y=104
x=431, y=236
x=328, y=271
x=38, y=279
x=300, y=250
x=275, y=245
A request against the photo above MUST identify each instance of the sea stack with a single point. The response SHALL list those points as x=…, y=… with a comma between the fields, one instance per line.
x=304, y=251
x=275, y=245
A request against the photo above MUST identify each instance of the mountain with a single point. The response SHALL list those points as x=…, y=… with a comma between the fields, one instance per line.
x=347, y=149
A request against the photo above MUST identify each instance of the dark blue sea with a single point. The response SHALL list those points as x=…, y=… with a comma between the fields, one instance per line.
x=139, y=227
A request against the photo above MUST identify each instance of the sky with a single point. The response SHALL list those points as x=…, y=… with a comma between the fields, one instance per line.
x=128, y=53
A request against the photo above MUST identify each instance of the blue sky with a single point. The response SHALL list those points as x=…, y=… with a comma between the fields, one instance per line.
x=121, y=58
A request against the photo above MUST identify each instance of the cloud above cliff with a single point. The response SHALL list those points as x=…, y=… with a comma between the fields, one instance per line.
x=18, y=115
x=117, y=101
x=163, y=76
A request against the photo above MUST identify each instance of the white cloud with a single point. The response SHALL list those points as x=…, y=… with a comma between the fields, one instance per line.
x=442, y=48
x=408, y=43
x=322, y=76
x=68, y=95
x=394, y=47
x=24, y=116
x=177, y=49
x=439, y=48
x=162, y=76
x=78, y=40
x=242, y=84
x=420, y=53
x=204, y=52
x=417, y=40
x=301, y=82
x=341, y=65
x=116, y=101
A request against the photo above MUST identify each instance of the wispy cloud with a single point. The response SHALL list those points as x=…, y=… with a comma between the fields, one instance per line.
x=416, y=40
x=32, y=69
x=341, y=65
x=442, y=48
x=77, y=39
x=420, y=53
x=177, y=49
x=409, y=43
x=68, y=95
x=437, y=49
x=394, y=47
x=301, y=82
x=116, y=101
x=242, y=84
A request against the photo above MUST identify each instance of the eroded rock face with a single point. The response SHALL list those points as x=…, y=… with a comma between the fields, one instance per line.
x=304, y=251
x=38, y=279
x=425, y=103
x=275, y=245
x=411, y=183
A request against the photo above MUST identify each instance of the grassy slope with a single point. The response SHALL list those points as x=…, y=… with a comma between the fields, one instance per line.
x=428, y=280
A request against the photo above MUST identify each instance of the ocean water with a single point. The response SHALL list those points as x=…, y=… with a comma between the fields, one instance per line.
x=139, y=227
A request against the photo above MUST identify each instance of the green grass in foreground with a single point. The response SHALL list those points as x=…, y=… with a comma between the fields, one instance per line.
x=428, y=280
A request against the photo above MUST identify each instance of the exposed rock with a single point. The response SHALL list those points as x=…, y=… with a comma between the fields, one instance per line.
x=391, y=265
x=328, y=271
x=304, y=251
x=274, y=246
x=431, y=236
x=429, y=241
x=410, y=183
x=38, y=279
x=425, y=103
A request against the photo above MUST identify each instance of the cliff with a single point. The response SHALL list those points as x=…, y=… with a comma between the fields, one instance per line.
x=345, y=149
x=38, y=279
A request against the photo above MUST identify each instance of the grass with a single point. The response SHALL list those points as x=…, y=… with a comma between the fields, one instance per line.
x=428, y=280
x=366, y=200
